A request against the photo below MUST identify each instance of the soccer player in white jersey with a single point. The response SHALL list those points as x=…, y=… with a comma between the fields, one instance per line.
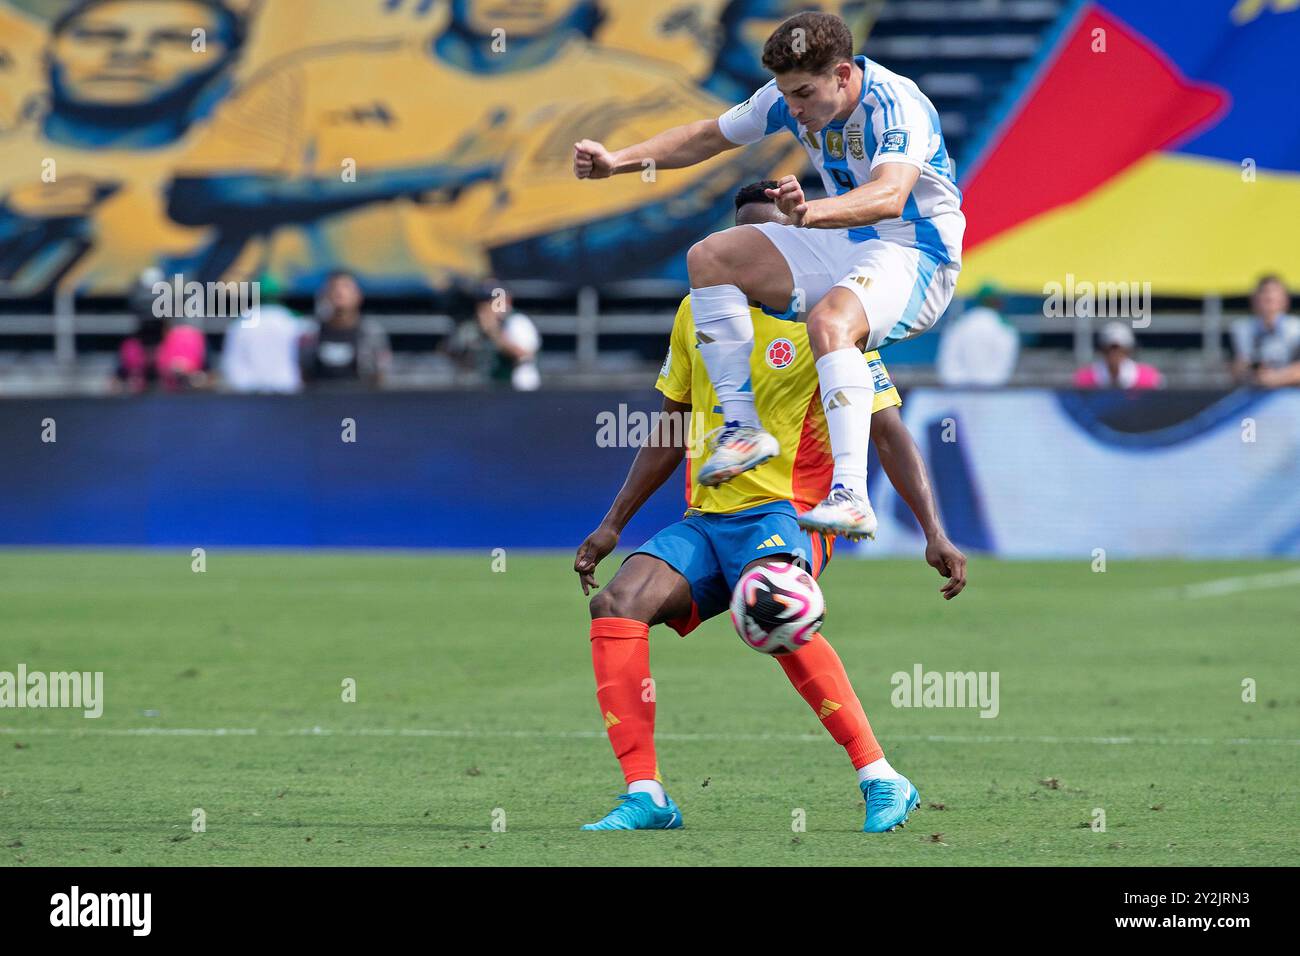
x=872, y=263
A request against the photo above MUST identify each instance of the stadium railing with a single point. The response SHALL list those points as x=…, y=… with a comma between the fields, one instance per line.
x=590, y=320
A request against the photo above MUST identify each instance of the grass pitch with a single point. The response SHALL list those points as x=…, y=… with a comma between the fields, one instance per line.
x=475, y=705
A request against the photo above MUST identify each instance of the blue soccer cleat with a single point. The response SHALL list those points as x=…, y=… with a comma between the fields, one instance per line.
x=638, y=811
x=889, y=802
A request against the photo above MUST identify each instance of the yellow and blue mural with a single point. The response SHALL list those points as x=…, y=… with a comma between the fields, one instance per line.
x=413, y=141
x=421, y=141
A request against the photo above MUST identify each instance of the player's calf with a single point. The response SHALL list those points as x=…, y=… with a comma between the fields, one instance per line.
x=835, y=327
x=645, y=591
x=819, y=676
x=725, y=273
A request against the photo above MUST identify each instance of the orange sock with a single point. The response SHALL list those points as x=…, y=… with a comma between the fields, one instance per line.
x=819, y=677
x=620, y=655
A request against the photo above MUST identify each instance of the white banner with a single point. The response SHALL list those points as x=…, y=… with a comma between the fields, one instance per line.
x=1041, y=474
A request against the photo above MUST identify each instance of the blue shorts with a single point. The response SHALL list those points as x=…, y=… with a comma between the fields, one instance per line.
x=711, y=550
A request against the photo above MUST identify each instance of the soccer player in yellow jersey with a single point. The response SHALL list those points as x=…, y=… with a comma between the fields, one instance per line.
x=685, y=574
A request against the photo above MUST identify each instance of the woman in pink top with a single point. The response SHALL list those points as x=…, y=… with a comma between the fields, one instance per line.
x=1116, y=367
x=172, y=357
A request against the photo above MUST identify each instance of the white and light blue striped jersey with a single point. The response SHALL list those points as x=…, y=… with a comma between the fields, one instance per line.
x=894, y=122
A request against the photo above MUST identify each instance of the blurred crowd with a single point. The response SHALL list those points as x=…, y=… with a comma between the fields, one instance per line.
x=980, y=348
x=1266, y=347
x=500, y=344
x=269, y=349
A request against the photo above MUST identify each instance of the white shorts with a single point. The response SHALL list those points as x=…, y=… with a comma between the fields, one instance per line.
x=903, y=290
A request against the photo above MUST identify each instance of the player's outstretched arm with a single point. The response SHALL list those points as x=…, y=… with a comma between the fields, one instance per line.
x=883, y=197
x=672, y=149
x=654, y=464
x=906, y=469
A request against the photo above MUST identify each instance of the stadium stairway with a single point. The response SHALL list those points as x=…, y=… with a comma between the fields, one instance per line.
x=966, y=55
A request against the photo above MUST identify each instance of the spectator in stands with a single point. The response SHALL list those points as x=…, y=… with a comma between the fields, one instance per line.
x=346, y=348
x=260, y=353
x=979, y=347
x=513, y=337
x=172, y=357
x=1266, y=347
x=1116, y=367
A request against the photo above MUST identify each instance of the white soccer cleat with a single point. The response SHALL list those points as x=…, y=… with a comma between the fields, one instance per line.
x=844, y=513
x=736, y=449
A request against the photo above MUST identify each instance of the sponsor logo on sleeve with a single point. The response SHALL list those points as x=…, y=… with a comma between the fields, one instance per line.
x=893, y=141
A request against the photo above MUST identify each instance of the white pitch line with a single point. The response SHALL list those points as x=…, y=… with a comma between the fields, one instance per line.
x=599, y=735
x=1255, y=582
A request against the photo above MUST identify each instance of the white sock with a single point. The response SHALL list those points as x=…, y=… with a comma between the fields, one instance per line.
x=725, y=332
x=654, y=788
x=877, y=770
x=847, y=397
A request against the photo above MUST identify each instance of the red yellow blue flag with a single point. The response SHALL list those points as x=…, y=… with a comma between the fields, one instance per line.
x=1152, y=141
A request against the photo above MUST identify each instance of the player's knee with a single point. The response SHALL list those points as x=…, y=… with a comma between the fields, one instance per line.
x=830, y=329
x=611, y=602
x=821, y=332
x=715, y=260
x=703, y=262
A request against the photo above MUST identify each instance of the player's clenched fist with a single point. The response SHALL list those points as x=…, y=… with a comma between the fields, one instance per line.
x=789, y=198
x=591, y=160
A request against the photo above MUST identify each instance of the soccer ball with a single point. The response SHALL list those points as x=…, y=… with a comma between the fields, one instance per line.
x=777, y=608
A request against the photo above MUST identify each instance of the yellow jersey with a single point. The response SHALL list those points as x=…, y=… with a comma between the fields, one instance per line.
x=787, y=397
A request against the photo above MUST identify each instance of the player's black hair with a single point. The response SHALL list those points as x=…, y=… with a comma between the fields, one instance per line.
x=234, y=22
x=1268, y=279
x=754, y=192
